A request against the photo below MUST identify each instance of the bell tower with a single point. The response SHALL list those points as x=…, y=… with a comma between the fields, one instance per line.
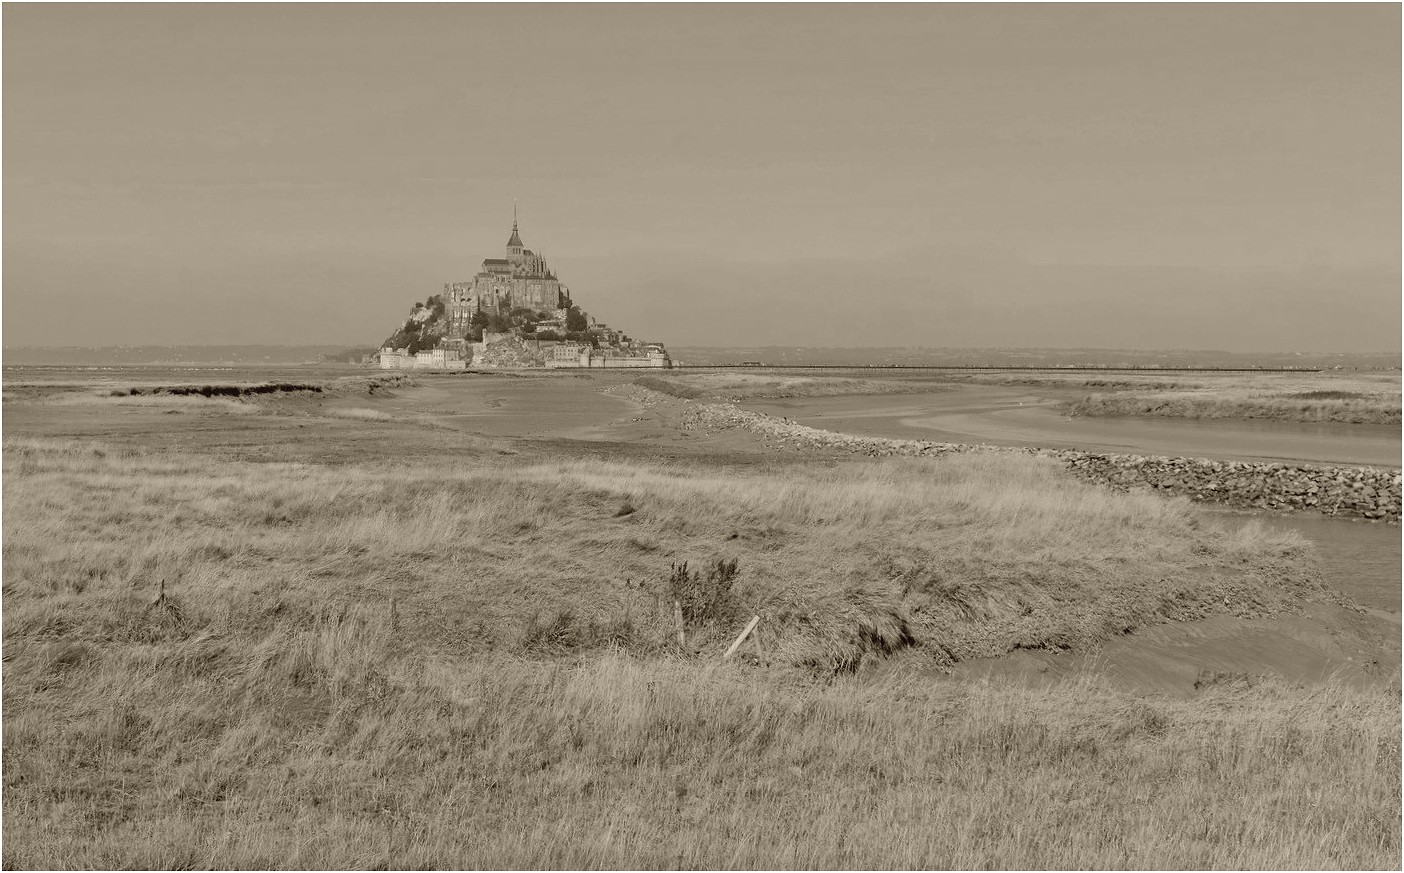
x=514, y=243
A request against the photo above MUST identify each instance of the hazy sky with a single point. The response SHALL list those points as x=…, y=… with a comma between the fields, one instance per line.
x=1183, y=176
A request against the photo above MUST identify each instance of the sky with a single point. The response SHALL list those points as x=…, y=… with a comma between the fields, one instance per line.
x=1183, y=176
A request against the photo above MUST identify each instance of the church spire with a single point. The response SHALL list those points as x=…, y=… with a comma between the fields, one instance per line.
x=516, y=239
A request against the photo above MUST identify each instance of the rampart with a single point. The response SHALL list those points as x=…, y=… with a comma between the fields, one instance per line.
x=1360, y=492
x=615, y=362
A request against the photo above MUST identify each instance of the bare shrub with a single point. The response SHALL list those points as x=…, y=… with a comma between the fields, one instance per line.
x=705, y=597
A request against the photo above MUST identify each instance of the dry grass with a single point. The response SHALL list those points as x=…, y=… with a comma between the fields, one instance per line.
x=322, y=746
x=1243, y=382
x=359, y=413
x=1303, y=407
x=1307, y=397
x=168, y=402
x=414, y=664
x=1112, y=380
x=983, y=554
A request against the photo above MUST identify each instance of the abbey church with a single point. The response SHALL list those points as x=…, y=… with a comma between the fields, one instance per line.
x=521, y=280
x=514, y=313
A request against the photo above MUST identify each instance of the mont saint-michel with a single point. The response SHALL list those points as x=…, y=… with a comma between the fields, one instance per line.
x=514, y=313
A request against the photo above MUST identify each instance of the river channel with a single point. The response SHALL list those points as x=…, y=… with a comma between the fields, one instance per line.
x=1016, y=416
x=1363, y=559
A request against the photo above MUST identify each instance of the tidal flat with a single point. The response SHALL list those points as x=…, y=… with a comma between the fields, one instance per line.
x=422, y=621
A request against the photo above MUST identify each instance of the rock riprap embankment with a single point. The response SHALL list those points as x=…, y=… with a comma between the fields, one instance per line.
x=1361, y=492
x=509, y=353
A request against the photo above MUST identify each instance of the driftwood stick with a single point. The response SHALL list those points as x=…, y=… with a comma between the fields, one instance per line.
x=750, y=626
x=677, y=620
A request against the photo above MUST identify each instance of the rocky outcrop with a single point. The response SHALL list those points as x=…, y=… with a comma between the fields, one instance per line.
x=1361, y=492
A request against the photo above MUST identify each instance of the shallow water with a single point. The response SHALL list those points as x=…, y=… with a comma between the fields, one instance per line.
x=1362, y=559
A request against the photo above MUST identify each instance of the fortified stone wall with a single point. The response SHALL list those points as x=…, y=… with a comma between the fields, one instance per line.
x=1360, y=492
x=624, y=362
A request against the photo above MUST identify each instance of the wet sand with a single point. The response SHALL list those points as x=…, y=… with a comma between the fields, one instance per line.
x=1329, y=643
x=506, y=406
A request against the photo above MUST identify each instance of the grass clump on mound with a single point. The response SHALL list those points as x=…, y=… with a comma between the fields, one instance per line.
x=838, y=628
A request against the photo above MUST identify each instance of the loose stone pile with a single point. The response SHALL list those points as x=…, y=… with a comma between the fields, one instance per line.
x=509, y=353
x=1363, y=492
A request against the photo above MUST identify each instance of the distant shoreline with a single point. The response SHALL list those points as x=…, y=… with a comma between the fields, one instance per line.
x=771, y=357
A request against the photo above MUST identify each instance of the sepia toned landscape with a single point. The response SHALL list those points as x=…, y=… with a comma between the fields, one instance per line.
x=753, y=436
x=358, y=620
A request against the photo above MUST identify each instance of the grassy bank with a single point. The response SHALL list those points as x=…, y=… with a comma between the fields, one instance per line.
x=1312, y=397
x=970, y=556
x=418, y=663
x=1305, y=407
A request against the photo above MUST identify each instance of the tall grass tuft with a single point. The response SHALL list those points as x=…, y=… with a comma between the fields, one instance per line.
x=835, y=626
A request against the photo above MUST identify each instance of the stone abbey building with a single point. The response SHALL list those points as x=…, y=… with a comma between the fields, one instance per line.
x=554, y=334
x=521, y=280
